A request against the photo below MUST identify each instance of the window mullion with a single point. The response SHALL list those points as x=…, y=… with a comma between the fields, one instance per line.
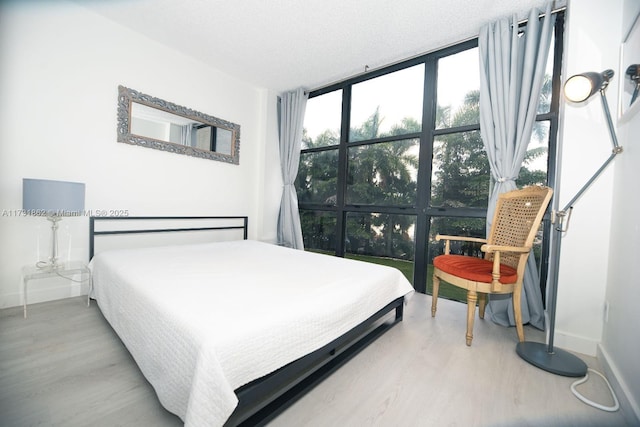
x=424, y=175
x=341, y=189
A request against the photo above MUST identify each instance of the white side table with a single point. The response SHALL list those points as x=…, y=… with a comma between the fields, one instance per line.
x=66, y=270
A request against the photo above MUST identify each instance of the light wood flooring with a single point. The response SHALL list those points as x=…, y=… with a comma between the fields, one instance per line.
x=65, y=366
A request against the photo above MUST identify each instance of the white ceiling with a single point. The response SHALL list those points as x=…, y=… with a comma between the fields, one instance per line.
x=285, y=44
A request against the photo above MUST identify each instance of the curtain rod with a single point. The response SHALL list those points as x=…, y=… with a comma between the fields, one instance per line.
x=561, y=6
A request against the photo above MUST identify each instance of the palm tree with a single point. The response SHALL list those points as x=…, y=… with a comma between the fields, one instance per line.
x=384, y=173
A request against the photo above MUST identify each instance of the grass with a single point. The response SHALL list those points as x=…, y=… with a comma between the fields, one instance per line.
x=406, y=267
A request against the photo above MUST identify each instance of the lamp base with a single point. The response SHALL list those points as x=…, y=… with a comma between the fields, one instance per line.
x=558, y=362
x=49, y=265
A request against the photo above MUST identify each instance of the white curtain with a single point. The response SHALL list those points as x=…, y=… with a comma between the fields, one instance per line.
x=512, y=67
x=292, y=108
x=186, y=133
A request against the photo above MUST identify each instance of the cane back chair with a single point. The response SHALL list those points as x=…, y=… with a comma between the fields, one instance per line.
x=515, y=223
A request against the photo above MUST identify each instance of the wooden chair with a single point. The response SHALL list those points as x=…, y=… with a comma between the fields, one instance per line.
x=516, y=221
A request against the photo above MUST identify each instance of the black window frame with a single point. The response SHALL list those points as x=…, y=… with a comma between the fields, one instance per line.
x=422, y=209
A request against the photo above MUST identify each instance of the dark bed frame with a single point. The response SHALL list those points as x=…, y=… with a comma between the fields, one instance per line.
x=264, y=398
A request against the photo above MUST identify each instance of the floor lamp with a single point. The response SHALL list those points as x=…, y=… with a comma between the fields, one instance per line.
x=577, y=88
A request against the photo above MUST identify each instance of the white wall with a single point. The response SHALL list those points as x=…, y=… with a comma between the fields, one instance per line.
x=620, y=344
x=60, y=66
x=592, y=40
x=599, y=264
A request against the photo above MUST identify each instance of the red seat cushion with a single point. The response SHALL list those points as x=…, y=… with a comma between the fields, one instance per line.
x=472, y=268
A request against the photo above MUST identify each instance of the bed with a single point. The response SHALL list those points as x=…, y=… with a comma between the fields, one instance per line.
x=231, y=332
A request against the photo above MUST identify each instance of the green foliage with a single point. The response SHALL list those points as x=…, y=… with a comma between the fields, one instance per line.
x=385, y=174
x=461, y=168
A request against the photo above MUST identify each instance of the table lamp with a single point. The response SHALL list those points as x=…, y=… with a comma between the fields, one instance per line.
x=55, y=200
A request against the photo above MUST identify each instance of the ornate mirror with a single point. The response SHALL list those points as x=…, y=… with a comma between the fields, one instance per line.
x=155, y=123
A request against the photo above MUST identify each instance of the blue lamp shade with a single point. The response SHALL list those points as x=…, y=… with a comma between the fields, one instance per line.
x=52, y=198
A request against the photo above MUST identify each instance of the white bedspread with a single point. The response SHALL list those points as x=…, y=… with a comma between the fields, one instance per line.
x=202, y=320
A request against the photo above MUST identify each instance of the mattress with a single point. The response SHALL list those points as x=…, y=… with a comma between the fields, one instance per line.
x=202, y=320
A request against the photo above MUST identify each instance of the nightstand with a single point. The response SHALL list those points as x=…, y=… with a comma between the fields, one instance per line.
x=67, y=270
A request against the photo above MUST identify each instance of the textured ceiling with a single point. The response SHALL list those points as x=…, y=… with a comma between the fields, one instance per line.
x=285, y=44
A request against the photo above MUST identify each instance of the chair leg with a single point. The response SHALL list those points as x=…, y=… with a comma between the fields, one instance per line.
x=434, y=295
x=517, y=311
x=482, y=304
x=472, y=299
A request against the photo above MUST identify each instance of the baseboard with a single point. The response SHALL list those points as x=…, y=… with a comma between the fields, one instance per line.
x=576, y=343
x=629, y=406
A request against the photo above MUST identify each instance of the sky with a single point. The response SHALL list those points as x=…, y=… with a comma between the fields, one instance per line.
x=398, y=94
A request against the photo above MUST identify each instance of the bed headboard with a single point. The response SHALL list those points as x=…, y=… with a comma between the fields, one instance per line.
x=111, y=225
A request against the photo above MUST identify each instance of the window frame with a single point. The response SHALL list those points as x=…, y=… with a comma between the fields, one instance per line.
x=421, y=209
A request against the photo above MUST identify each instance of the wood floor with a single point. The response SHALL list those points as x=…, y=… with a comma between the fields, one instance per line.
x=64, y=366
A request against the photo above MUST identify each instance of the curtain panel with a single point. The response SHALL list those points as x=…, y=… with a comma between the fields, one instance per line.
x=512, y=66
x=292, y=108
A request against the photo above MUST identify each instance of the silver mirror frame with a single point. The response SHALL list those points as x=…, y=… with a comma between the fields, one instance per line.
x=126, y=96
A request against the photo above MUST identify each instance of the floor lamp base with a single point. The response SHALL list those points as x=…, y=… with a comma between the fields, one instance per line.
x=559, y=362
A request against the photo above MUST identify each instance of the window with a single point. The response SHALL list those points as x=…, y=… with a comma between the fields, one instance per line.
x=318, y=177
x=458, y=89
x=395, y=156
x=460, y=171
x=322, y=121
x=388, y=105
x=319, y=230
x=383, y=174
x=386, y=239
